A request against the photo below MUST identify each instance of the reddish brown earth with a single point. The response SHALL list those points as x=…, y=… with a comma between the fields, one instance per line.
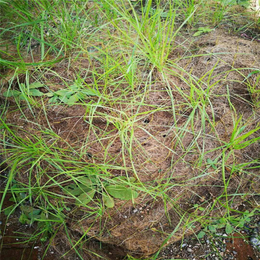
x=241, y=246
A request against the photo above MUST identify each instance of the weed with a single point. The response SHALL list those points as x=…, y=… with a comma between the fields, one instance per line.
x=108, y=121
x=87, y=187
x=31, y=90
x=230, y=225
x=202, y=30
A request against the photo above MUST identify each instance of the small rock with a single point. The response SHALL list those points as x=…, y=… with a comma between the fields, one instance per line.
x=255, y=241
x=190, y=250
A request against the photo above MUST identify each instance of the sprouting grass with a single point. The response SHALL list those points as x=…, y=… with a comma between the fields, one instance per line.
x=113, y=60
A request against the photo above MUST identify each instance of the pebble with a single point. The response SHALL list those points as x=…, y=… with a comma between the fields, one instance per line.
x=255, y=241
x=190, y=250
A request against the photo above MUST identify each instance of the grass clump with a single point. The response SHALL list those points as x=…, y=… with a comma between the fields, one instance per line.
x=127, y=122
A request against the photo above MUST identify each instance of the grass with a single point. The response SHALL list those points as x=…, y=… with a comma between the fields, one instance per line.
x=83, y=88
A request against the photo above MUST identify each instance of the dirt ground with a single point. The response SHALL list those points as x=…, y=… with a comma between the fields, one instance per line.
x=140, y=229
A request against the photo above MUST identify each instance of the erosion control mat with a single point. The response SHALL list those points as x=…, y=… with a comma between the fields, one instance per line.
x=174, y=136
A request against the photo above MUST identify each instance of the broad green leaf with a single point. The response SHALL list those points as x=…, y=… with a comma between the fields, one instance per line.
x=36, y=85
x=36, y=93
x=197, y=33
x=124, y=178
x=64, y=99
x=212, y=163
x=23, y=219
x=81, y=95
x=241, y=223
x=49, y=94
x=222, y=220
x=54, y=99
x=8, y=210
x=47, y=218
x=75, y=87
x=108, y=200
x=212, y=228
x=85, y=197
x=64, y=92
x=22, y=96
x=201, y=234
x=26, y=209
x=72, y=99
x=132, y=179
x=11, y=93
x=34, y=212
x=221, y=225
x=89, y=92
x=229, y=228
x=30, y=212
x=87, y=181
x=202, y=30
x=209, y=161
x=121, y=192
x=75, y=190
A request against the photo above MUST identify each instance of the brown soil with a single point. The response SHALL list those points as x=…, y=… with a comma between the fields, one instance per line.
x=242, y=247
x=157, y=152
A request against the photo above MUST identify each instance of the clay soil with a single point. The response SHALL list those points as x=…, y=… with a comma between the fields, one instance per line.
x=160, y=141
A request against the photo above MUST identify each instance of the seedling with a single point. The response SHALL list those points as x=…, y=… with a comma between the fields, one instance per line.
x=202, y=30
x=230, y=224
x=69, y=96
x=31, y=90
x=31, y=214
x=212, y=163
x=85, y=189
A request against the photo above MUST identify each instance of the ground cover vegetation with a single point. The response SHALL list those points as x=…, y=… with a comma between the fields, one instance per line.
x=128, y=123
